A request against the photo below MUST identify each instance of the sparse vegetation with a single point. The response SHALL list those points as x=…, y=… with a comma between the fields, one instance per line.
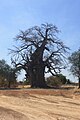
x=75, y=64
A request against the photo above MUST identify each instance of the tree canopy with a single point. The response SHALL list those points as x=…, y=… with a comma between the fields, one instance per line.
x=75, y=64
x=7, y=74
x=39, y=51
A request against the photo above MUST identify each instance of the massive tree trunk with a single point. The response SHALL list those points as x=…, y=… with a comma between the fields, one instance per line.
x=37, y=80
x=37, y=76
x=38, y=68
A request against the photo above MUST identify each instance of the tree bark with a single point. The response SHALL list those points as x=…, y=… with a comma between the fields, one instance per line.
x=37, y=76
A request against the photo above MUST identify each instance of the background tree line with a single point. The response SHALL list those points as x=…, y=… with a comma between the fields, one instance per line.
x=8, y=77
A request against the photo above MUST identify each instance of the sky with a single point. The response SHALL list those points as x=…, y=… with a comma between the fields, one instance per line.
x=18, y=15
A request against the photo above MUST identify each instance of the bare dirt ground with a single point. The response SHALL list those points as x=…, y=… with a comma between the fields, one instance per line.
x=40, y=104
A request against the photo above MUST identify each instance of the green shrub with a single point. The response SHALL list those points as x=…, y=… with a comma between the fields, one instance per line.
x=53, y=81
x=56, y=81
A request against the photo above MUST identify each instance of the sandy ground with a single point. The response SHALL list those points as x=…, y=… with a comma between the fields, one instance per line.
x=40, y=104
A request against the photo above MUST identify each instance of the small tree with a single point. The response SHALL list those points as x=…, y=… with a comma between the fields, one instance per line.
x=75, y=64
x=7, y=74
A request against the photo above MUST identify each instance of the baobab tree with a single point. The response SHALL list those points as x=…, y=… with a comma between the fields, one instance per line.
x=39, y=51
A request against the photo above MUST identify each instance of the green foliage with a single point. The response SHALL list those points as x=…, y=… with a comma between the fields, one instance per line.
x=26, y=82
x=75, y=64
x=7, y=75
x=53, y=81
x=62, y=78
x=56, y=80
x=74, y=59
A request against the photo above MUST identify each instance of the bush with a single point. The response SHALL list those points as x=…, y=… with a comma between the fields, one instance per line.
x=56, y=81
x=62, y=78
x=53, y=81
x=26, y=82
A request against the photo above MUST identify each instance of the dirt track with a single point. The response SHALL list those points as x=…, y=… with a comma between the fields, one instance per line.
x=40, y=105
